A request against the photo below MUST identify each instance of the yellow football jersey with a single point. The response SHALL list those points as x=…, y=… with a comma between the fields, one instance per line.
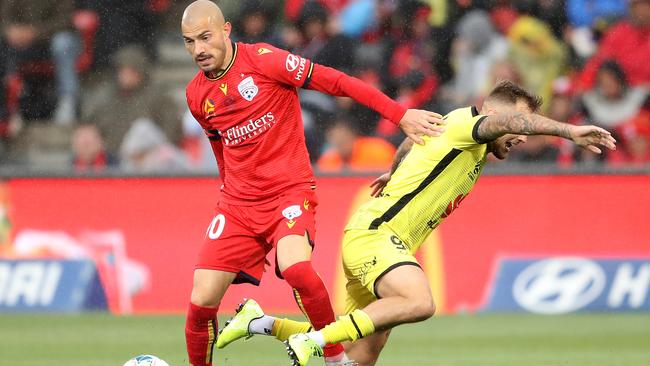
x=429, y=183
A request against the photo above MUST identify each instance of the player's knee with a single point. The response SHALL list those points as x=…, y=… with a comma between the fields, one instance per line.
x=202, y=297
x=422, y=309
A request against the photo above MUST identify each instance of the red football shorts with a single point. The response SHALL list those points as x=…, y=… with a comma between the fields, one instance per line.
x=239, y=237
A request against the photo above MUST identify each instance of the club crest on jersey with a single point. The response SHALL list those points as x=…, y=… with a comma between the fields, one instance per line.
x=248, y=89
x=291, y=213
x=208, y=107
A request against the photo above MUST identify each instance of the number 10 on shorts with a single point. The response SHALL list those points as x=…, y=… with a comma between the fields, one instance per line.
x=216, y=227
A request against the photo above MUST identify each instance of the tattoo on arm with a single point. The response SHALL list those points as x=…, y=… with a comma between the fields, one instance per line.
x=495, y=126
x=401, y=152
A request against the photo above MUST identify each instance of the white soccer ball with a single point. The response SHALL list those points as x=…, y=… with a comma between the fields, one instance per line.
x=145, y=360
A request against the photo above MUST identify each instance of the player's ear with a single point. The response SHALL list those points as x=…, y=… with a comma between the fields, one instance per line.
x=227, y=28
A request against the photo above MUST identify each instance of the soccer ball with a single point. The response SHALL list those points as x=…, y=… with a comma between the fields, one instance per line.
x=145, y=360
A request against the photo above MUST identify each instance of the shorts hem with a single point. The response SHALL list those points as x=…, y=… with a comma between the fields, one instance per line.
x=242, y=277
x=385, y=272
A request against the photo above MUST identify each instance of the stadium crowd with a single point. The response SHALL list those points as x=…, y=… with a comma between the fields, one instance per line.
x=78, y=82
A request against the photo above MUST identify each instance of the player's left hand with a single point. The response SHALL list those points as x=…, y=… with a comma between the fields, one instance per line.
x=588, y=137
x=416, y=122
x=378, y=184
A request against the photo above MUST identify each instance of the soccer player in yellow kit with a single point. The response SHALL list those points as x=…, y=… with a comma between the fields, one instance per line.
x=386, y=286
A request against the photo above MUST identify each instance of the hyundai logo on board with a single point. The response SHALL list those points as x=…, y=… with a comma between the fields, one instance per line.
x=567, y=284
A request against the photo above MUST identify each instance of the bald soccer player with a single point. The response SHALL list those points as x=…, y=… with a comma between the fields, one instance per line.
x=245, y=98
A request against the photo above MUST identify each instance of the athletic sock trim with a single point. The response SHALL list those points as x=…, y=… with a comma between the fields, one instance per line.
x=211, y=339
x=296, y=296
x=356, y=326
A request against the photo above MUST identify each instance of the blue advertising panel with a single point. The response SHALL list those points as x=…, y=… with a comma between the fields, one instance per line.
x=568, y=284
x=50, y=286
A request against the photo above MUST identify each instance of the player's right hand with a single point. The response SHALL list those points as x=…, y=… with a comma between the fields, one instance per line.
x=416, y=122
x=588, y=137
x=378, y=184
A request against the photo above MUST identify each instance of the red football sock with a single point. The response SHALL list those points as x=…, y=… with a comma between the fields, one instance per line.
x=200, y=334
x=313, y=299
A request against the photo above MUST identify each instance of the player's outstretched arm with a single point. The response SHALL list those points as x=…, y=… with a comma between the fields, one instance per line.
x=414, y=122
x=588, y=137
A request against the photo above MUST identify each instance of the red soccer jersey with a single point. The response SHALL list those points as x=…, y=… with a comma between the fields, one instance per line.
x=251, y=114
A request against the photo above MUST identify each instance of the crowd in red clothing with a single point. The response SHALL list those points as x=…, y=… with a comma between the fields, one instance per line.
x=586, y=58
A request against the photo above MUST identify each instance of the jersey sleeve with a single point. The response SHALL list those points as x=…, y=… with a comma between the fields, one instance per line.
x=462, y=127
x=280, y=65
x=333, y=82
x=299, y=72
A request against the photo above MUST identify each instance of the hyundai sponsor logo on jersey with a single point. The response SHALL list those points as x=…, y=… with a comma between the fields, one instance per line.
x=567, y=284
x=50, y=285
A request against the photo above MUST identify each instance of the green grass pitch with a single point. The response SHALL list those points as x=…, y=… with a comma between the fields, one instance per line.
x=468, y=340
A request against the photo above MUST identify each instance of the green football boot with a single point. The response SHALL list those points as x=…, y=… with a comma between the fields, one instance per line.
x=300, y=348
x=238, y=326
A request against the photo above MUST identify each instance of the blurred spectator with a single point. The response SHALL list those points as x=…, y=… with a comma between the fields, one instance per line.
x=293, y=8
x=89, y=154
x=145, y=149
x=476, y=50
x=196, y=145
x=349, y=152
x=503, y=16
x=4, y=107
x=415, y=52
x=365, y=119
x=537, y=55
x=415, y=90
x=320, y=41
x=588, y=20
x=501, y=71
x=129, y=96
x=37, y=31
x=357, y=17
x=636, y=134
x=613, y=103
x=562, y=105
x=628, y=43
x=255, y=23
x=404, y=47
x=551, y=12
x=588, y=13
x=126, y=22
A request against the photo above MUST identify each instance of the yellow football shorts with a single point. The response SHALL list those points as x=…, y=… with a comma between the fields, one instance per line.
x=367, y=256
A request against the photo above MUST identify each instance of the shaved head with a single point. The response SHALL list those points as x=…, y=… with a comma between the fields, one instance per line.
x=207, y=37
x=200, y=11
